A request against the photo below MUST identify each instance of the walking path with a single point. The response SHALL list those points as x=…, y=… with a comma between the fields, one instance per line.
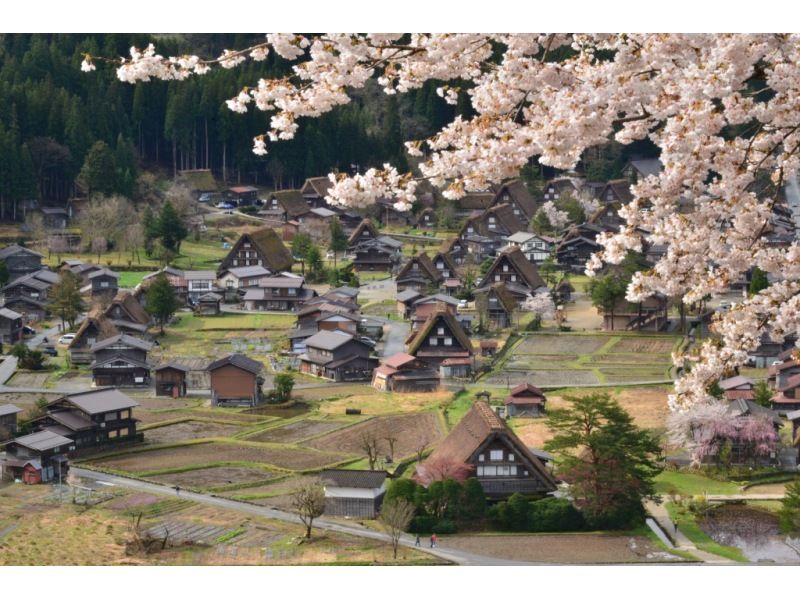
x=459, y=557
x=681, y=542
x=7, y=369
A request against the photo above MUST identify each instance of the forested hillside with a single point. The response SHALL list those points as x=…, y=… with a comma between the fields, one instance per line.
x=52, y=115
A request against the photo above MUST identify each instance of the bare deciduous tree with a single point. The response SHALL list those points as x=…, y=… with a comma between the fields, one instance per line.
x=36, y=228
x=395, y=517
x=57, y=244
x=391, y=440
x=422, y=446
x=308, y=501
x=369, y=444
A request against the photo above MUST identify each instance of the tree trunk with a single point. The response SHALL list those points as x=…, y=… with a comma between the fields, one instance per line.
x=174, y=159
x=224, y=162
x=206, y=127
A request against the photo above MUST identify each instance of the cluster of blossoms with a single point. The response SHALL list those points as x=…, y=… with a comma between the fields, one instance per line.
x=540, y=303
x=705, y=427
x=558, y=219
x=589, y=205
x=724, y=110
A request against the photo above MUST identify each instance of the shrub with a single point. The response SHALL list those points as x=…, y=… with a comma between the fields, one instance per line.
x=554, y=515
x=445, y=526
x=422, y=524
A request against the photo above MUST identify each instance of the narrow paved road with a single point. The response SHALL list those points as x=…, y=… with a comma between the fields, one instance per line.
x=456, y=556
x=394, y=336
x=659, y=513
x=7, y=369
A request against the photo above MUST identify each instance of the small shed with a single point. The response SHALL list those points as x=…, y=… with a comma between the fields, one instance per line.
x=489, y=347
x=8, y=420
x=236, y=381
x=525, y=400
x=353, y=493
x=243, y=195
x=208, y=305
x=171, y=380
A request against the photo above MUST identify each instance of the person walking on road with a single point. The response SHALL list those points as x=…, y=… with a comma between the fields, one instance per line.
x=434, y=539
x=416, y=541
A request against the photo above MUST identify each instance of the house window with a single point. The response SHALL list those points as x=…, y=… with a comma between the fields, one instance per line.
x=510, y=456
x=229, y=283
x=481, y=458
x=610, y=195
x=433, y=341
x=246, y=245
x=292, y=292
x=235, y=262
x=496, y=455
x=470, y=230
x=516, y=211
x=103, y=284
x=497, y=278
x=505, y=267
x=491, y=219
x=440, y=331
x=446, y=273
x=513, y=278
x=415, y=266
x=448, y=342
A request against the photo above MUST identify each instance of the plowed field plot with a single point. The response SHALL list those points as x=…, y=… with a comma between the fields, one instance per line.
x=630, y=359
x=28, y=380
x=643, y=345
x=296, y=431
x=561, y=344
x=206, y=453
x=562, y=548
x=634, y=374
x=188, y=430
x=214, y=476
x=409, y=430
x=544, y=377
x=535, y=362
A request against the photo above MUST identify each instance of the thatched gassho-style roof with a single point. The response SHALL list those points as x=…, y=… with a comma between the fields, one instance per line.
x=449, y=321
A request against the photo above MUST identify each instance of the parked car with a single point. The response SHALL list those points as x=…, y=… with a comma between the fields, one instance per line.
x=66, y=339
x=28, y=331
x=224, y=205
x=462, y=303
x=205, y=197
x=50, y=350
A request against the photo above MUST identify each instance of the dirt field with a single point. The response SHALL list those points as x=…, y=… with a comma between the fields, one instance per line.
x=410, y=431
x=643, y=345
x=373, y=402
x=29, y=379
x=543, y=377
x=214, y=476
x=200, y=454
x=296, y=431
x=562, y=548
x=188, y=430
x=647, y=406
x=560, y=344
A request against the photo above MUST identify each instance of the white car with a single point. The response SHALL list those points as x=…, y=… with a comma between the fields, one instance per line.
x=462, y=303
x=66, y=339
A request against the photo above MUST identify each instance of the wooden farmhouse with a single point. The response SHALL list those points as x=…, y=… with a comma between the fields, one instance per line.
x=405, y=302
x=638, y=169
x=419, y=274
x=35, y=458
x=314, y=191
x=171, y=380
x=577, y=244
x=515, y=194
x=443, y=344
x=501, y=462
x=8, y=421
x=404, y=373
x=618, y=190
x=121, y=360
x=235, y=280
x=10, y=326
x=91, y=418
x=338, y=356
x=427, y=218
x=128, y=315
x=560, y=188
x=28, y=294
x=353, y=493
x=473, y=203
x=208, y=304
x=236, y=381
x=20, y=261
x=55, y=217
x=525, y=400
x=262, y=247
x=497, y=304
x=278, y=293
x=102, y=283
x=365, y=231
x=535, y=247
x=737, y=387
x=512, y=267
x=286, y=205
x=242, y=195
x=382, y=254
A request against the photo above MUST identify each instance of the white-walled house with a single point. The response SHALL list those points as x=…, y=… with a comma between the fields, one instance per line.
x=537, y=248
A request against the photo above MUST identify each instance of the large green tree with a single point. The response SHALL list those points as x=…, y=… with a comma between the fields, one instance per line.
x=338, y=239
x=171, y=228
x=99, y=171
x=162, y=302
x=608, y=462
x=65, y=298
x=789, y=515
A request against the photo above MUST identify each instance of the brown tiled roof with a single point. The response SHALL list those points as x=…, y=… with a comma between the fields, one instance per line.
x=238, y=360
x=399, y=359
x=449, y=322
x=425, y=266
x=474, y=429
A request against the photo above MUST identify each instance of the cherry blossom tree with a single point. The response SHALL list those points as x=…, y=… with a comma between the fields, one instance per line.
x=558, y=219
x=439, y=469
x=723, y=109
x=540, y=303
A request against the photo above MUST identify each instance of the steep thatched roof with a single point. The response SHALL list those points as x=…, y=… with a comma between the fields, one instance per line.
x=355, y=236
x=275, y=254
x=475, y=429
x=425, y=266
x=292, y=202
x=440, y=318
x=519, y=194
x=503, y=294
x=318, y=186
x=525, y=269
x=476, y=201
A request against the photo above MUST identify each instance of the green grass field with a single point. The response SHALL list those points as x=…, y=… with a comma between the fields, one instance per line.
x=229, y=321
x=692, y=484
x=688, y=525
x=128, y=280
